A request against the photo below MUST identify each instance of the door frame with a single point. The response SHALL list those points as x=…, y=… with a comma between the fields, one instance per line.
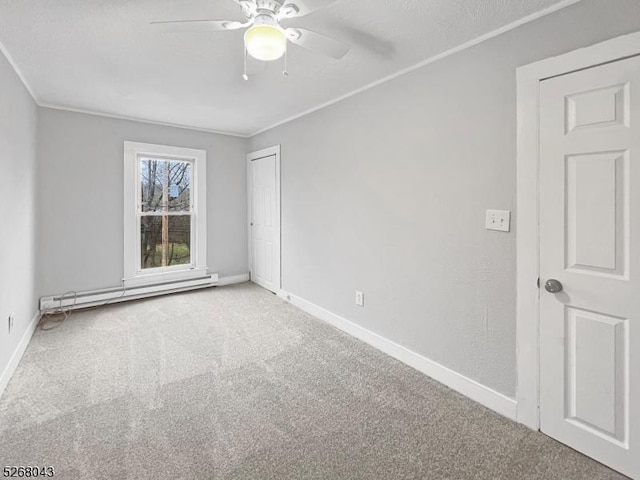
x=527, y=242
x=266, y=152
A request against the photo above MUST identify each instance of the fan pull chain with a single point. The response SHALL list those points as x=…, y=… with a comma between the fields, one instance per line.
x=244, y=75
x=285, y=73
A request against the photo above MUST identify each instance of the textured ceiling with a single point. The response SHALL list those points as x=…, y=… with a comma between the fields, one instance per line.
x=103, y=56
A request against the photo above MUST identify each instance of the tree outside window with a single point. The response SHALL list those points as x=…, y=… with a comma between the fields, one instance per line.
x=165, y=212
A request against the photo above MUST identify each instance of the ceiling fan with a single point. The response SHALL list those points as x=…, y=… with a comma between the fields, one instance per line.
x=265, y=39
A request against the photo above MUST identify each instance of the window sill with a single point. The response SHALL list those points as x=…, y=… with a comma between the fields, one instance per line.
x=165, y=277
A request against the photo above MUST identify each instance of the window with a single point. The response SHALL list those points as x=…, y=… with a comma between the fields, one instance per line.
x=165, y=217
x=165, y=212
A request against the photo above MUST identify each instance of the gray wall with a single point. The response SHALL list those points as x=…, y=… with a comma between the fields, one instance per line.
x=18, y=123
x=386, y=192
x=81, y=197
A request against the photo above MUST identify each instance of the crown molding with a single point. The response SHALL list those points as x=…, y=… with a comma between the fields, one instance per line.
x=22, y=78
x=139, y=120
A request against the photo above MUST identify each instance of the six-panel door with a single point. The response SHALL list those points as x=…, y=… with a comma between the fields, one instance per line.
x=590, y=242
x=264, y=219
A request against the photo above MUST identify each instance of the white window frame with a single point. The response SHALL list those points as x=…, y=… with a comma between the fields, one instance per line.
x=134, y=275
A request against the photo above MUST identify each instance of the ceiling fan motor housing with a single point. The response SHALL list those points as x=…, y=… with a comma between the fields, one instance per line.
x=265, y=19
x=270, y=5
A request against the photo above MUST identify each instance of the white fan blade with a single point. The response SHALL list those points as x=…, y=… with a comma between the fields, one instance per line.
x=200, y=25
x=300, y=8
x=249, y=7
x=317, y=43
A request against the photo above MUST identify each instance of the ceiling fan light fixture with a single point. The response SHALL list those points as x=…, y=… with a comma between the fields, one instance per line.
x=265, y=42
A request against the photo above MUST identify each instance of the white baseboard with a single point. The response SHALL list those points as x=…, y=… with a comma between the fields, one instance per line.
x=95, y=298
x=470, y=388
x=18, y=353
x=233, y=279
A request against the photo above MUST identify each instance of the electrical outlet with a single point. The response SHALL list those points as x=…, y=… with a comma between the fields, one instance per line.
x=498, y=220
x=11, y=319
x=360, y=299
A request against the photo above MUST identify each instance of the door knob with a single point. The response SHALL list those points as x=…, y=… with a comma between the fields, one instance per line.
x=553, y=286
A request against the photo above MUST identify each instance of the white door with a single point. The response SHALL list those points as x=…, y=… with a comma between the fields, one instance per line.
x=265, y=222
x=590, y=244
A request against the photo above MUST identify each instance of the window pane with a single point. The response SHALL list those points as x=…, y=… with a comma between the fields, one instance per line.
x=165, y=185
x=165, y=241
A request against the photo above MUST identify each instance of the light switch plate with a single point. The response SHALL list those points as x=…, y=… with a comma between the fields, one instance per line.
x=499, y=220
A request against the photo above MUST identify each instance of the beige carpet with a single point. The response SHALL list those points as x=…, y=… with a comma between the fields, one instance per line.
x=234, y=383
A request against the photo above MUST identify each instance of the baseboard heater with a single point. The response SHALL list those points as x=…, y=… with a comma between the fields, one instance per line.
x=73, y=300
